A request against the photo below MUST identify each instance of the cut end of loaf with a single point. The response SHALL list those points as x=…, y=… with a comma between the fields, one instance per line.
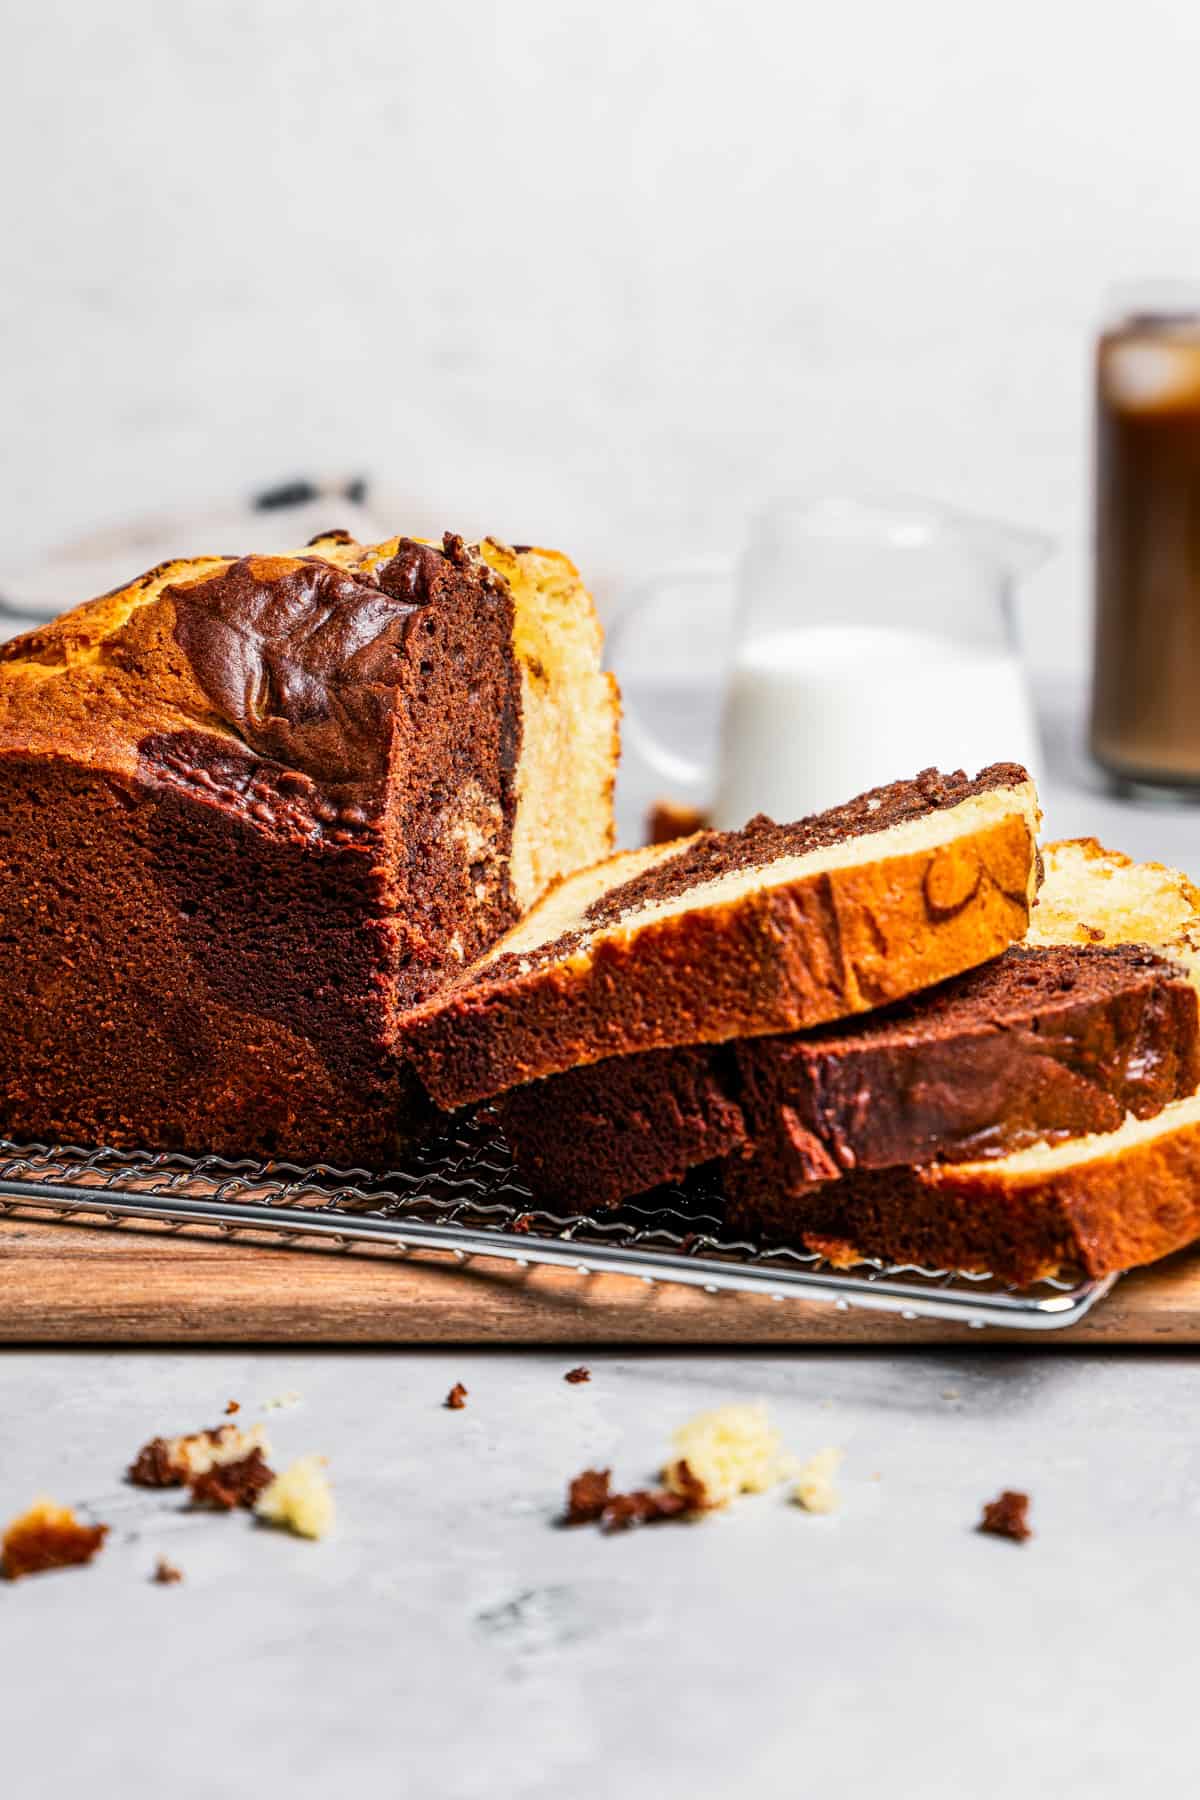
x=570, y=736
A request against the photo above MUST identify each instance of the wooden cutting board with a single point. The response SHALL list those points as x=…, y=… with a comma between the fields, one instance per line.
x=80, y=1283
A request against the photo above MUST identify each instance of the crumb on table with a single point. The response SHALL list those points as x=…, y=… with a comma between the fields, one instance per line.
x=47, y=1536
x=165, y=1573
x=727, y=1451
x=814, y=1489
x=456, y=1399
x=591, y=1501
x=1007, y=1516
x=575, y=1376
x=231, y=1484
x=300, y=1500
x=174, y=1462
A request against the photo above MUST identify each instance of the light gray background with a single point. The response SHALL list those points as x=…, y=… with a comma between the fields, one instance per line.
x=599, y=275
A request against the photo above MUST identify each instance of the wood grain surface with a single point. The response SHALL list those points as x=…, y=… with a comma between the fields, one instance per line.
x=139, y=1283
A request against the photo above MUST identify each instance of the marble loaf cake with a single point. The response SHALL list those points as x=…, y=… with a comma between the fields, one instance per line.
x=253, y=809
x=732, y=934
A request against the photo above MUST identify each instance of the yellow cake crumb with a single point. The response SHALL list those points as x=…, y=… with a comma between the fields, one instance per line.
x=300, y=1500
x=199, y=1451
x=814, y=1489
x=729, y=1451
x=281, y=1402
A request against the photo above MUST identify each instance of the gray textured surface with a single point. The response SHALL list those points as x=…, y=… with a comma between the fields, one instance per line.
x=449, y=1641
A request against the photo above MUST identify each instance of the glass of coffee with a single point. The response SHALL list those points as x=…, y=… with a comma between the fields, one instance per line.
x=1145, y=722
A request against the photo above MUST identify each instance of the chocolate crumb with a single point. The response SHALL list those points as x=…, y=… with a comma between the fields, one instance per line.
x=1007, y=1517
x=227, y=1485
x=689, y=1486
x=154, y=1466
x=165, y=1573
x=575, y=1376
x=591, y=1501
x=233, y=1406
x=456, y=1399
x=587, y=1497
x=1093, y=933
x=643, y=1507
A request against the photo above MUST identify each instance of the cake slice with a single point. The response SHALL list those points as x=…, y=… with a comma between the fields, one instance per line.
x=253, y=809
x=1036, y=1045
x=732, y=934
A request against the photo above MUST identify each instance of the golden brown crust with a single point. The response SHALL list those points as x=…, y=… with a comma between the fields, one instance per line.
x=778, y=959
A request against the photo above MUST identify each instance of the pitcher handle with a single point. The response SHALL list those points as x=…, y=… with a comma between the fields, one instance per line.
x=687, y=776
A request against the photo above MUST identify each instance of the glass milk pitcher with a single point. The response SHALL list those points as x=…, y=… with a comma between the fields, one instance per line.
x=854, y=642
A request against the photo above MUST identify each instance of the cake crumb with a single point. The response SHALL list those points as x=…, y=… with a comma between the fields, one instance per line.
x=282, y=1401
x=456, y=1399
x=591, y=1501
x=587, y=1497
x=575, y=1376
x=644, y=1506
x=729, y=1451
x=814, y=1489
x=299, y=1500
x=231, y=1484
x=165, y=1573
x=174, y=1462
x=1007, y=1517
x=233, y=1407
x=47, y=1536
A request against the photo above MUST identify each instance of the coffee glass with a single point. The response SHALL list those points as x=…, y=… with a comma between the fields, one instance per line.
x=1145, y=723
x=857, y=639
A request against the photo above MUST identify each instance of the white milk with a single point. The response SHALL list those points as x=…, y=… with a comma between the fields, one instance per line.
x=814, y=716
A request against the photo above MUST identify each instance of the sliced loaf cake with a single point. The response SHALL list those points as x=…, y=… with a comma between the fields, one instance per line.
x=733, y=934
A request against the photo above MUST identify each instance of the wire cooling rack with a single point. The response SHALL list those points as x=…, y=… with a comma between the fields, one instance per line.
x=461, y=1195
